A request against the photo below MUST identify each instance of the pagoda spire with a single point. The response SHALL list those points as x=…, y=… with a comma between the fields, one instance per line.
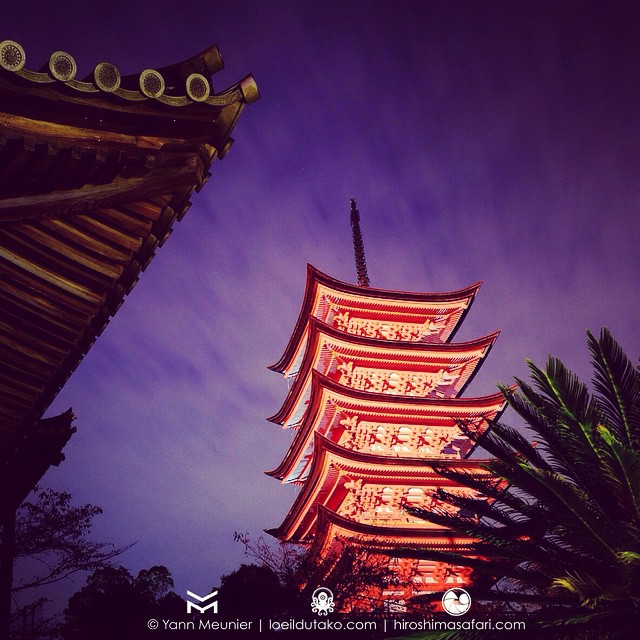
x=358, y=246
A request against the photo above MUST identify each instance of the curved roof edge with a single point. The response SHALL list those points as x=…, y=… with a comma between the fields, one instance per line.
x=188, y=82
x=318, y=328
x=322, y=381
x=495, y=402
x=424, y=537
x=391, y=294
x=315, y=277
x=299, y=510
x=325, y=515
x=326, y=446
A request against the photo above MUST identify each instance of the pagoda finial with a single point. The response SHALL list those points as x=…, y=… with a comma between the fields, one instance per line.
x=358, y=246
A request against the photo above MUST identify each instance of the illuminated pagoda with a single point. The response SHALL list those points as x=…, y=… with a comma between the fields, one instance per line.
x=94, y=174
x=375, y=395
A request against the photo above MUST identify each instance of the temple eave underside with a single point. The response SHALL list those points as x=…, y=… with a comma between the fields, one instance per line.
x=94, y=174
x=370, y=489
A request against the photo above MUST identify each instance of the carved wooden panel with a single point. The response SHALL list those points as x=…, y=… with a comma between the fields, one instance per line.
x=411, y=441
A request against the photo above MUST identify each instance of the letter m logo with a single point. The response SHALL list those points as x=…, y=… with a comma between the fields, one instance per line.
x=212, y=605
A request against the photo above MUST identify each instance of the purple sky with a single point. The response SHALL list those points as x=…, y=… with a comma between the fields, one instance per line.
x=493, y=141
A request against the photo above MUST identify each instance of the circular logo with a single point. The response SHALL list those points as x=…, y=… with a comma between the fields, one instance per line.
x=322, y=601
x=456, y=602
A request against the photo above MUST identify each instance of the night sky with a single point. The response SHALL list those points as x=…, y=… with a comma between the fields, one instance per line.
x=493, y=141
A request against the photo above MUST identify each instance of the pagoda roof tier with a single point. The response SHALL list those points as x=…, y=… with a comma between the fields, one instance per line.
x=377, y=313
x=92, y=182
x=414, y=577
x=331, y=526
x=381, y=424
x=367, y=488
x=380, y=366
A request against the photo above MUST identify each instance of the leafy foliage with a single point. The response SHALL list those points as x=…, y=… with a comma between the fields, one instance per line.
x=565, y=532
x=356, y=576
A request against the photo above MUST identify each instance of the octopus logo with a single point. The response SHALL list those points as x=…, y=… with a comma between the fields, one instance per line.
x=322, y=601
x=456, y=602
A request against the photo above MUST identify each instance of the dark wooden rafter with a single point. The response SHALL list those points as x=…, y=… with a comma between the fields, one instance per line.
x=168, y=177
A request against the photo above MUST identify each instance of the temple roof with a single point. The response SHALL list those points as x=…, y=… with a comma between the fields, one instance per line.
x=93, y=178
x=332, y=405
x=174, y=101
x=40, y=448
x=446, y=368
x=439, y=313
x=334, y=467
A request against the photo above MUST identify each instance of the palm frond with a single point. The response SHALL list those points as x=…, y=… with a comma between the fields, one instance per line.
x=492, y=510
x=553, y=442
x=574, y=510
x=623, y=466
x=617, y=382
x=518, y=443
x=491, y=486
x=563, y=393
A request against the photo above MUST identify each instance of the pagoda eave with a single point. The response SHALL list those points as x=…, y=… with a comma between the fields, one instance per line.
x=316, y=278
x=319, y=330
x=331, y=525
x=93, y=179
x=380, y=428
x=404, y=357
x=331, y=467
x=175, y=103
x=390, y=294
x=389, y=466
x=328, y=396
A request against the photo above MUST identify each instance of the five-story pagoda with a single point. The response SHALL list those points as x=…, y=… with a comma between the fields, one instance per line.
x=374, y=399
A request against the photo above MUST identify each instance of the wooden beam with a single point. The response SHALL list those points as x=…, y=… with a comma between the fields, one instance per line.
x=22, y=125
x=78, y=201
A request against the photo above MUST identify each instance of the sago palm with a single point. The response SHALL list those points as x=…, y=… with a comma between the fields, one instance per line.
x=558, y=525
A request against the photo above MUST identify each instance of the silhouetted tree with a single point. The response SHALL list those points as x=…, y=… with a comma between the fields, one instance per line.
x=355, y=575
x=252, y=591
x=115, y=604
x=283, y=558
x=52, y=543
x=54, y=533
